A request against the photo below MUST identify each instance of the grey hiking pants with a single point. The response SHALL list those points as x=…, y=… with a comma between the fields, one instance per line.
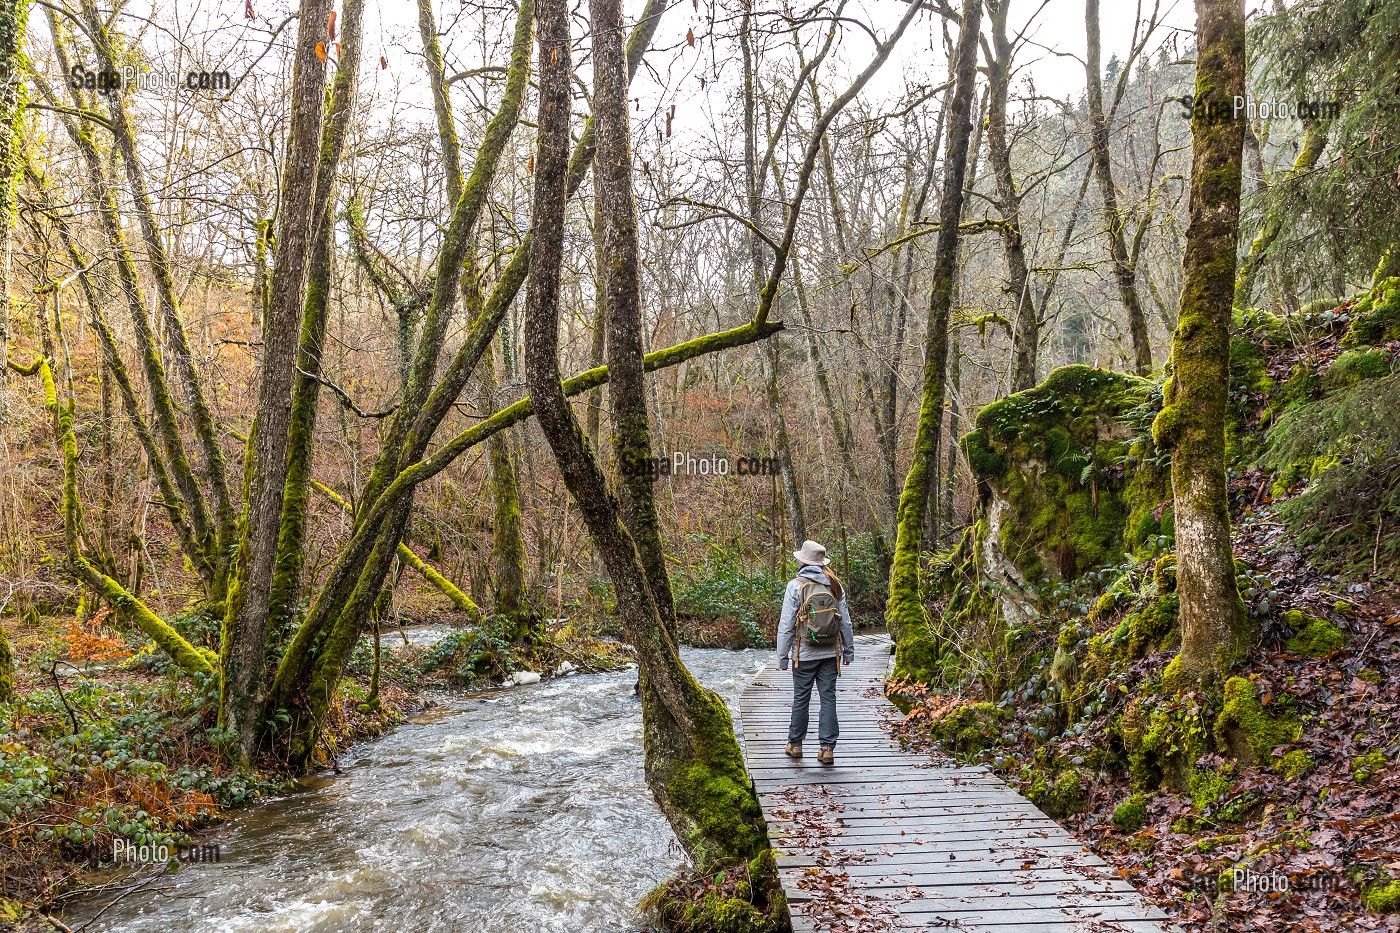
x=823, y=673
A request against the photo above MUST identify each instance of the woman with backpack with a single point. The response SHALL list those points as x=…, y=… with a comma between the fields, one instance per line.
x=815, y=636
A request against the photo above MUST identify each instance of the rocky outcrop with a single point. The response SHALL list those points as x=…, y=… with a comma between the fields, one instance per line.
x=1067, y=480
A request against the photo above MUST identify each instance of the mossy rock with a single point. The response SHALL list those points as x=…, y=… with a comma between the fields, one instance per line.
x=1314, y=637
x=1130, y=815
x=1356, y=366
x=1164, y=737
x=1295, y=764
x=1263, y=327
x=969, y=728
x=1383, y=897
x=1072, y=471
x=1364, y=767
x=1151, y=627
x=1376, y=317
x=1246, y=730
x=1164, y=573
x=1060, y=794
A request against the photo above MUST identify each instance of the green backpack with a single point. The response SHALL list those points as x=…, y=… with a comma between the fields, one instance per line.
x=818, y=621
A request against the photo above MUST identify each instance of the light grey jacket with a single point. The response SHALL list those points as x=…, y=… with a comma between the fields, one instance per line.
x=787, y=637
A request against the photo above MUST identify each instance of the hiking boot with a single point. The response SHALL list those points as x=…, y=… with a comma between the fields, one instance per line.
x=793, y=751
x=827, y=755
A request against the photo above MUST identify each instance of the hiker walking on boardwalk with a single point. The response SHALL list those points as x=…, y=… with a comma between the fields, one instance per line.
x=815, y=636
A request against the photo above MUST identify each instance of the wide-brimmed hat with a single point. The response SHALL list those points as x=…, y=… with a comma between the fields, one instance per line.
x=811, y=553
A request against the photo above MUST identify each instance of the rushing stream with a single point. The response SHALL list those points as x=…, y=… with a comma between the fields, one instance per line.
x=521, y=809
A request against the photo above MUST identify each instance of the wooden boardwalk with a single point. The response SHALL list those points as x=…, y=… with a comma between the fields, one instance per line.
x=887, y=840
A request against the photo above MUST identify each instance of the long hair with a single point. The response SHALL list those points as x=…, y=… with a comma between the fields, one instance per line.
x=833, y=581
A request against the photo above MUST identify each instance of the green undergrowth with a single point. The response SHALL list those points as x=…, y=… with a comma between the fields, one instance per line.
x=740, y=898
x=143, y=765
x=727, y=597
x=1337, y=462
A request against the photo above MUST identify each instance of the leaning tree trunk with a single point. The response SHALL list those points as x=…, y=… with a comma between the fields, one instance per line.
x=917, y=651
x=1026, y=337
x=286, y=588
x=693, y=762
x=1113, y=220
x=1313, y=142
x=1191, y=424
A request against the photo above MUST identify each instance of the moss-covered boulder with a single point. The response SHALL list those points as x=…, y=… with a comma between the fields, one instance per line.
x=1314, y=637
x=1059, y=793
x=1130, y=815
x=968, y=728
x=1376, y=317
x=1246, y=729
x=1067, y=479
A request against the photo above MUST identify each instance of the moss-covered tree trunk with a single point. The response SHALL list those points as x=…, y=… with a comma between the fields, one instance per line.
x=286, y=588
x=1191, y=424
x=904, y=611
x=315, y=658
x=215, y=470
x=13, y=16
x=1123, y=273
x=693, y=763
x=1026, y=335
x=507, y=529
x=243, y=647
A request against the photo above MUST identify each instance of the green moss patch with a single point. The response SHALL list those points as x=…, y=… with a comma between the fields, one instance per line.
x=1059, y=794
x=1364, y=767
x=1355, y=366
x=1243, y=727
x=1382, y=897
x=1130, y=815
x=1314, y=637
x=1376, y=317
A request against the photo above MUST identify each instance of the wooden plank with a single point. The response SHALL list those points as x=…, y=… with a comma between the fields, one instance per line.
x=944, y=846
